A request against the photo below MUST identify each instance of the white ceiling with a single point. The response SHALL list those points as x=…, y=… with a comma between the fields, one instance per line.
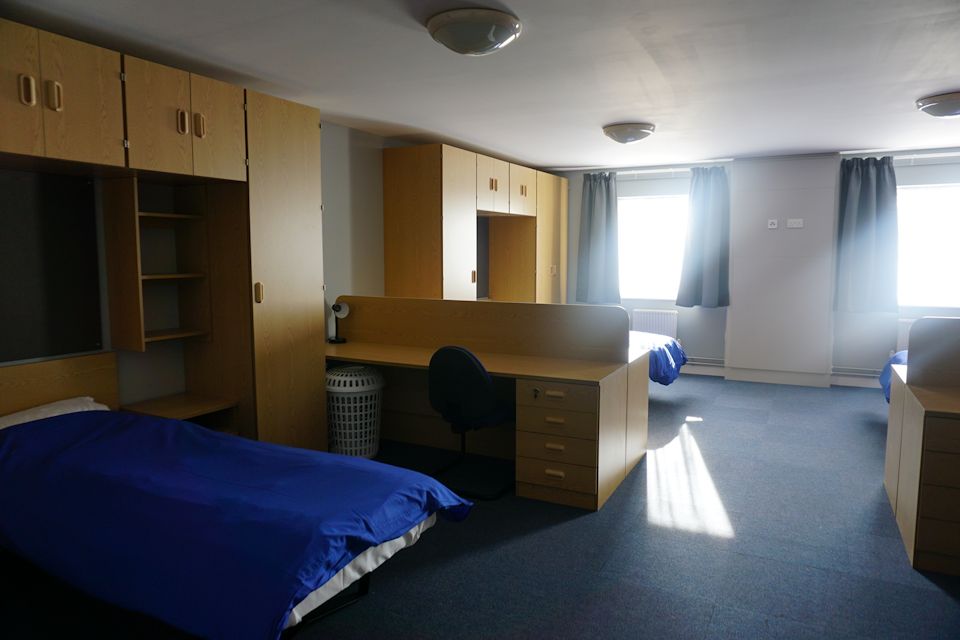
x=720, y=78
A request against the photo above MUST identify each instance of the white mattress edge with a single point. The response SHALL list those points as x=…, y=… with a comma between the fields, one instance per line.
x=356, y=569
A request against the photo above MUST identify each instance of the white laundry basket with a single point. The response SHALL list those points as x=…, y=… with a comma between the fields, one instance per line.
x=353, y=403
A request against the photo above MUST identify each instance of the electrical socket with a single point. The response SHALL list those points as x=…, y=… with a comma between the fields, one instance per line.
x=772, y=223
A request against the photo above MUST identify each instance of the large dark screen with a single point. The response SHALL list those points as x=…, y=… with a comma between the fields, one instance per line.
x=49, y=283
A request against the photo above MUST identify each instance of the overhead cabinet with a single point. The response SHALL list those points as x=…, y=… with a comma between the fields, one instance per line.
x=459, y=224
x=180, y=122
x=60, y=98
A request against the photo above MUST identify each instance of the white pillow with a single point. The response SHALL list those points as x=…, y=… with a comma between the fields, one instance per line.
x=58, y=408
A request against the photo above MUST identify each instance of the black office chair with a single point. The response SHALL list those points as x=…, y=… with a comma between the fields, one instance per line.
x=465, y=395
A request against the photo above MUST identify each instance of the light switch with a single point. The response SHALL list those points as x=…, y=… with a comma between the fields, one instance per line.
x=772, y=223
x=794, y=223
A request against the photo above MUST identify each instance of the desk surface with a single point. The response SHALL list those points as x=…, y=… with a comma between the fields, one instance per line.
x=502, y=364
x=943, y=401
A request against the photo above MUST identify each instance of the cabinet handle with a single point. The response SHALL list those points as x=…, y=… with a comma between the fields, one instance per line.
x=553, y=420
x=473, y=276
x=553, y=393
x=490, y=188
x=55, y=95
x=553, y=446
x=28, y=90
x=555, y=473
x=183, y=122
x=496, y=184
x=258, y=292
x=200, y=125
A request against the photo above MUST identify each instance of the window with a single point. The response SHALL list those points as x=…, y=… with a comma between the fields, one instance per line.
x=652, y=233
x=928, y=218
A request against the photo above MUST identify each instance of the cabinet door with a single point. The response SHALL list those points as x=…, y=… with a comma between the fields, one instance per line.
x=548, y=238
x=20, y=108
x=158, y=117
x=501, y=186
x=523, y=190
x=459, y=224
x=286, y=256
x=219, y=137
x=83, y=101
x=485, y=192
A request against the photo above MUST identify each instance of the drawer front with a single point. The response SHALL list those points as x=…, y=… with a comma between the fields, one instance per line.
x=939, y=503
x=940, y=468
x=571, y=424
x=941, y=434
x=557, y=474
x=548, y=447
x=558, y=395
x=938, y=537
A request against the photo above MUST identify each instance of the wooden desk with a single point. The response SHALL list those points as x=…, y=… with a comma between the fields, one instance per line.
x=922, y=465
x=581, y=424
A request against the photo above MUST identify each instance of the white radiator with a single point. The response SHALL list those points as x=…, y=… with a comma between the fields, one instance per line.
x=903, y=332
x=659, y=321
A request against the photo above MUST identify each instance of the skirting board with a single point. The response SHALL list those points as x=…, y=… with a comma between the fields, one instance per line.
x=779, y=377
x=866, y=382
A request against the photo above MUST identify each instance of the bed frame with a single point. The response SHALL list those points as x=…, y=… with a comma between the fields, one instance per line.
x=27, y=385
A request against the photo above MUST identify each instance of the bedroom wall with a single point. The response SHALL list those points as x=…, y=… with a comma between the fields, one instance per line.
x=779, y=327
x=352, y=174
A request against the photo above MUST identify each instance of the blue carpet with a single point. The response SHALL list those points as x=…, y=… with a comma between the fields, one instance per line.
x=788, y=534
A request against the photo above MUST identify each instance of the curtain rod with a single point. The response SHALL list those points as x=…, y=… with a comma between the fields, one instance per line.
x=907, y=154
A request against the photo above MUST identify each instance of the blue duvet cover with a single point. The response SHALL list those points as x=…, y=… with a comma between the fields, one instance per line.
x=666, y=356
x=886, y=375
x=215, y=534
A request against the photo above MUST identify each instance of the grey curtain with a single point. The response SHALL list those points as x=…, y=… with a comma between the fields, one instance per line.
x=867, y=236
x=705, y=280
x=598, y=266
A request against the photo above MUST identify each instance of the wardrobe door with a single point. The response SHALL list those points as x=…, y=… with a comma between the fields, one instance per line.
x=548, y=237
x=20, y=102
x=459, y=224
x=286, y=255
x=158, y=117
x=82, y=101
x=219, y=139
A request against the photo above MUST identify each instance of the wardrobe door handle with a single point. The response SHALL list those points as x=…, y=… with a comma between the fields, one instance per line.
x=473, y=276
x=183, y=122
x=55, y=95
x=258, y=292
x=490, y=187
x=496, y=184
x=200, y=125
x=554, y=473
x=28, y=90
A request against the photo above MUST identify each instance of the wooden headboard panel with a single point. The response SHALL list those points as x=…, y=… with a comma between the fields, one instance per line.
x=27, y=385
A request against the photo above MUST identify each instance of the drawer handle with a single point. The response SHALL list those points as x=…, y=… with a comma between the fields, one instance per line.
x=553, y=393
x=555, y=473
x=28, y=90
x=199, y=125
x=553, y=446
x=554, y=420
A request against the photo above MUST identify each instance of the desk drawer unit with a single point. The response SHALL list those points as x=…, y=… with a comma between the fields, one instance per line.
x=558, y=442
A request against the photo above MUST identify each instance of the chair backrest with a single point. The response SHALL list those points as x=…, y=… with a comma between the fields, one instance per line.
x=461, y=390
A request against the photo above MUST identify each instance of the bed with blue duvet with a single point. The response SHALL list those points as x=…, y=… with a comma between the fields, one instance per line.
x=220, y=536
x=666, y=355
x=886, y=374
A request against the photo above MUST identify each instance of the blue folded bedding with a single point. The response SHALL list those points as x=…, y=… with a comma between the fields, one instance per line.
x=900, y=357
x=215, y=534
x=666, y=356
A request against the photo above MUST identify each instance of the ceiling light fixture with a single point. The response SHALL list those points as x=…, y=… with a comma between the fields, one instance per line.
x=944, y=105
x=628, y=132
x=474, y=32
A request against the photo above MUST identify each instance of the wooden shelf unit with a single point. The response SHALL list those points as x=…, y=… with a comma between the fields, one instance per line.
x=181, y=406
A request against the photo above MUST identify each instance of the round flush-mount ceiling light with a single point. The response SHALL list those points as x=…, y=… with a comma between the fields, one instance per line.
x=628, y=132
x=944, y=105
x=474, y=32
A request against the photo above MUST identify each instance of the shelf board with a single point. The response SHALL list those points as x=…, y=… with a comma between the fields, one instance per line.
x=172, y=276
x=156, y=215
x=181, y=406
x=171, y=334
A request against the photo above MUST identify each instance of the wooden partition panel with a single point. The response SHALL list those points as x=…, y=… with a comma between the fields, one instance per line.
x=935, y=352
x=28, y=385
x=583, y=332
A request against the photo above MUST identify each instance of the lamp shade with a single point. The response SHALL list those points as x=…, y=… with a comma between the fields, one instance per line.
x=628, y=132
x=474, y=32
x=944, y=105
